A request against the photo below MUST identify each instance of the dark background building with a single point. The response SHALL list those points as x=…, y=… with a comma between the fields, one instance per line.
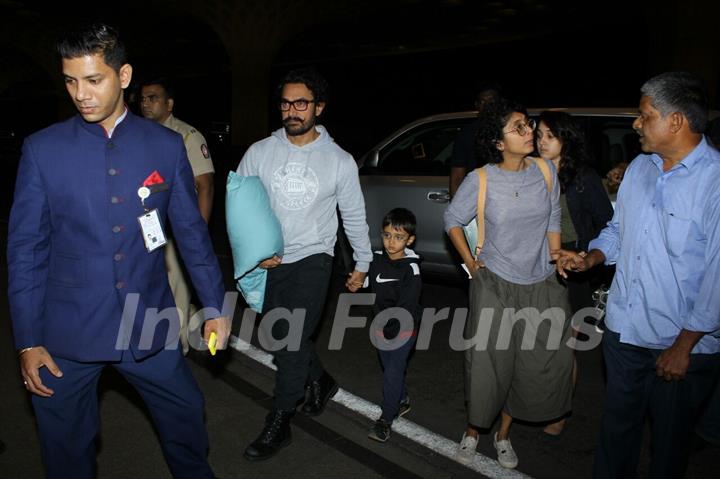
x=388, y=62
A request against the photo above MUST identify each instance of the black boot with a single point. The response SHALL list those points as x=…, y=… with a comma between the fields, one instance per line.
x=319, y=393
x=274, y=436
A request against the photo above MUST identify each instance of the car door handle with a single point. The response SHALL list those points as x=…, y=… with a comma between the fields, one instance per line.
x=438, y=196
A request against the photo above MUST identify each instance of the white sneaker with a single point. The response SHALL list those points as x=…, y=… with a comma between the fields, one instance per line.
x=506, y=455
x=465, y=453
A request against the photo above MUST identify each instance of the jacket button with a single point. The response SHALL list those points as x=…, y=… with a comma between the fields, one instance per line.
x=119, y=285
x=114, y=200
x=110, y=145
x=118, y=257
x=116, y=229
x=112, y=172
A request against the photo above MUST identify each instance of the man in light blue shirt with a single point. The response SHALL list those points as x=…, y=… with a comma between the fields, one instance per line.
x=661, y=356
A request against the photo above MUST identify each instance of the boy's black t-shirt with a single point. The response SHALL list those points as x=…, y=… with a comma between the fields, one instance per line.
x=396, y=284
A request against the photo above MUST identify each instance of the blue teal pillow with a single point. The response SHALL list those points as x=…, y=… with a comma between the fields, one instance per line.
x=255, y=234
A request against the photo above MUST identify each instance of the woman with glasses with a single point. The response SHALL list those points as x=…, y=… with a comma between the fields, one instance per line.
x=517, y=362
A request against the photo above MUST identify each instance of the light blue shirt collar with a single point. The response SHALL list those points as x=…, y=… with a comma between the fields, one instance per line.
x=689, y=161
x=117, y=122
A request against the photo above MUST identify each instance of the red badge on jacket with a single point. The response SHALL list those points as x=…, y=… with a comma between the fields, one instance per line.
x=153, y=179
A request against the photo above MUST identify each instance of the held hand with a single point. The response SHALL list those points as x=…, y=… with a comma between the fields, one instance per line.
x=271, y=263
x=355, y=281
x=30, y=363
x=473, y=266
x=566, y=260
x=221, y=327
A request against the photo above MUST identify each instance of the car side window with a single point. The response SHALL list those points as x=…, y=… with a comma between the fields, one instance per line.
x=425, y=150
x=611, y=140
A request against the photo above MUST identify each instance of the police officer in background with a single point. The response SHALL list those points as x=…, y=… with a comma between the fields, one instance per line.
x=157, y=100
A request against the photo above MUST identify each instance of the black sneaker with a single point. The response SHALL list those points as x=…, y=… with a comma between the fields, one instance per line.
x=404, y=406
x=380, y=431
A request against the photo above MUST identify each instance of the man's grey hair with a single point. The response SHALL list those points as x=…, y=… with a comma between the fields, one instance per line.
x=681, y=92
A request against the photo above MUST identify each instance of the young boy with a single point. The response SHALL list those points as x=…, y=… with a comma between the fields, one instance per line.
x=394, y=277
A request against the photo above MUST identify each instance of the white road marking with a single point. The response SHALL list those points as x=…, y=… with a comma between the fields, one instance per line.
x=421, y=435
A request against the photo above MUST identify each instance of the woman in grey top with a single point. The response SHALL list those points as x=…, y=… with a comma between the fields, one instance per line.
x=517, y=362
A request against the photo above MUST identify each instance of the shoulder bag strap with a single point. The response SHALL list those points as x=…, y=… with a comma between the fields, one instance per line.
x=545, y=170
x=480, y=220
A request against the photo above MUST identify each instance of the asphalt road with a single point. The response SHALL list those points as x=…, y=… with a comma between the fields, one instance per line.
x=238, y=390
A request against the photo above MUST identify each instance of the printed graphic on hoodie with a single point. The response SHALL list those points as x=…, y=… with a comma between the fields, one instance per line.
x=296, y=185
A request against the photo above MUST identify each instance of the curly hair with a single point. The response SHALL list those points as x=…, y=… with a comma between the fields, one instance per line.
x=574, y=156
x=309, y=77
x=491, y=123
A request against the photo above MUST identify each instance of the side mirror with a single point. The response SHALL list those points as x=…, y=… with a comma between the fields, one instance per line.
x=369, y=163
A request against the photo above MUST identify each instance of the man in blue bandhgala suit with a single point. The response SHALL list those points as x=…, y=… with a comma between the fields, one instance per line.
x=87, y=283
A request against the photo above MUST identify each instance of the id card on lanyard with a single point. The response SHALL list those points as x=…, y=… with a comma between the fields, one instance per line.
x=150, y=226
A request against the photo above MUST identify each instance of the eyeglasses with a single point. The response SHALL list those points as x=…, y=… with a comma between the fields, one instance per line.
x=299, y=105
x=523, y=128
x=396, y=237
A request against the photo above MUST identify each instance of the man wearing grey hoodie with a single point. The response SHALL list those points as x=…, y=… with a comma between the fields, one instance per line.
x=307, y=177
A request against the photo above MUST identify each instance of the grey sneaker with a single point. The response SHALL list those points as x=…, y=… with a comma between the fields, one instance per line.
x=506, y=455
x=380, y=431
x=465, y=453
x=404, y=406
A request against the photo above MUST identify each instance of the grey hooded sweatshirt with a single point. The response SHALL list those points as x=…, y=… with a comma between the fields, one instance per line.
x=305, y=185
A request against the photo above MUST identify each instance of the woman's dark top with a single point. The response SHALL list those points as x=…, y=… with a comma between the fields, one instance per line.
x=589, y=205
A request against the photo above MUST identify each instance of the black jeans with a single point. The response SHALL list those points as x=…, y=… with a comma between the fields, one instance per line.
x=634, y=392
x=299, y=286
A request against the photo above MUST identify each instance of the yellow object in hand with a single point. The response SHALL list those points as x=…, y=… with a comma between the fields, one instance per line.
x=212, y=343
